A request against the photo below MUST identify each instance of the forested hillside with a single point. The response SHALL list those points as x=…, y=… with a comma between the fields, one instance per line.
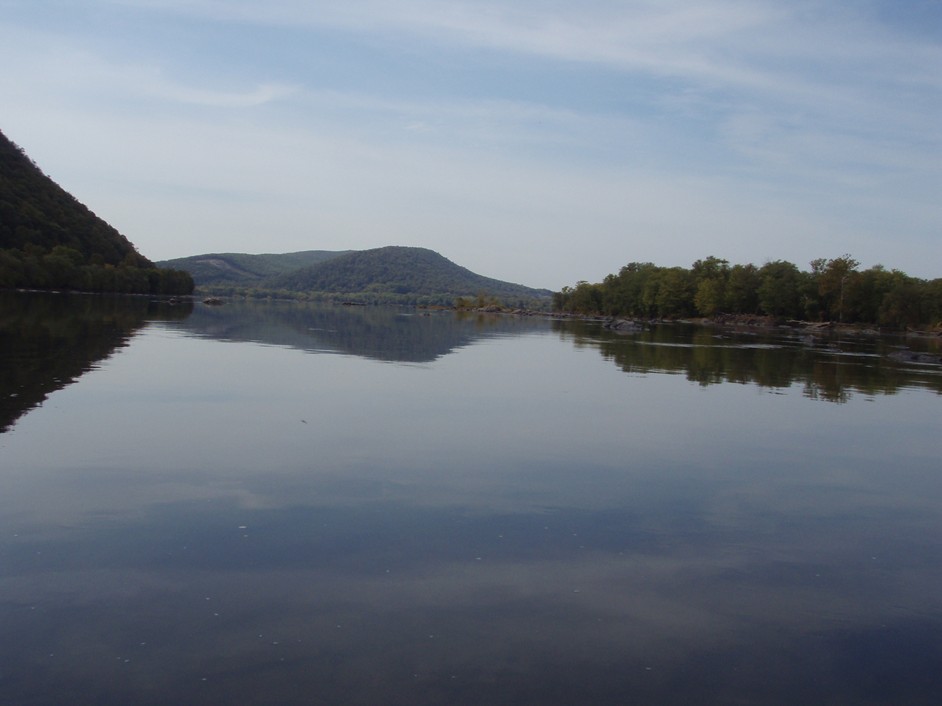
x=244, y=270
x=389, y=275
x=48, y=240
x=832, y=290
x=397, y=273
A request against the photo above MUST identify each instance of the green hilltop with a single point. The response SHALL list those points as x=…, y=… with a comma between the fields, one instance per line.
x=48, y=240
x=393, y=274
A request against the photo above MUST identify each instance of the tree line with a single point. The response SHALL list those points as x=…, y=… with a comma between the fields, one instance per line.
x=63, y=267
x=831, y=290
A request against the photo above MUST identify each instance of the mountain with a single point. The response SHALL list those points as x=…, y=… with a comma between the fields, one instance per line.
x=48, y=240
x=244, y=270
x=397, y=270
x=393, y=274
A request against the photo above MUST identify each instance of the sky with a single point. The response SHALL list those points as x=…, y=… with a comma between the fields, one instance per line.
x=539, y=142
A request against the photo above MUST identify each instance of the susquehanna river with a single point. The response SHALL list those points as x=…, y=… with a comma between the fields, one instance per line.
x=296, y=504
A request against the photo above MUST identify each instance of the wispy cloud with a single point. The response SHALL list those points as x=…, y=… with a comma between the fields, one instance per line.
x=643, y=130
x=63, y=66
x=260, y=95
x=800, y=64
x=730, y=42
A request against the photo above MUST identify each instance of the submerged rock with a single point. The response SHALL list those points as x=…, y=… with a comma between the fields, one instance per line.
x=622, y=325
x=907, y=356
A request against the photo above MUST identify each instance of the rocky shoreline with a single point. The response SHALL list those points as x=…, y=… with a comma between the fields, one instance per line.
x=738, y=322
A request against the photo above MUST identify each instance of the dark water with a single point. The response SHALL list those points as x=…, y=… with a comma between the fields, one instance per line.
x=280, y=504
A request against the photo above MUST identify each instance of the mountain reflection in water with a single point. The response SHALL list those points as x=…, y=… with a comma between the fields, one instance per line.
x=829, y=366
x=50, y=340
x=284, y=503
x=390, y=334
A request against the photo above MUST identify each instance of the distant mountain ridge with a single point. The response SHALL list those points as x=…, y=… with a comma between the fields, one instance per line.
x=388, y=274
x=242, y=269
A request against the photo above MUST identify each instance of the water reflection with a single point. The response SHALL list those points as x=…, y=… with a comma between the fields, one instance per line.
x=380, y=333
x=828, y=366
x=201, y=521
x=49, y=341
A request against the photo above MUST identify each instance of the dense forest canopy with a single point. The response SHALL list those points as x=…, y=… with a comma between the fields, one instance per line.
x=831, y=290
x=48, y=240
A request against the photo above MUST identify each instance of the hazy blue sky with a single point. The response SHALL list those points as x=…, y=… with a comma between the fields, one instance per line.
x=538, y=142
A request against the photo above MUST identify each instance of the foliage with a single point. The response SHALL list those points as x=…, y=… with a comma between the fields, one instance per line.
x=48, y=240
x=390, y=275
x=244, y=270
x=780, y=289
x=712, y=280
x=742, y=289
x=832, y=290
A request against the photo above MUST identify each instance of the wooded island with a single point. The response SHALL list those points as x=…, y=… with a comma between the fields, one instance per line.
x=831, y=290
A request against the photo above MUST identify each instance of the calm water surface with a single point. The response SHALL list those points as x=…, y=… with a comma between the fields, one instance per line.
x=277, y=503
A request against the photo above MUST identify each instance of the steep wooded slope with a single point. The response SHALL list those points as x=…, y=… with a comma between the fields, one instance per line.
x=49, y=240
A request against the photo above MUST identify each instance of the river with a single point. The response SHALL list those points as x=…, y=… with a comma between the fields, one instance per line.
x=278, y=503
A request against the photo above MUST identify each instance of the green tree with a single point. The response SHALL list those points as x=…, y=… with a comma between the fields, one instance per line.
x=832, y=288
x=710, y=268
x=11, y=270
x=933, y=302
x=63, y=267
x=903, y=302
x=586, y=298
x=626, y=291
x=710, y=297
x=675, y=293
x=742, y=289
x=869, y=288
x=835, y=279
x=710, y=278
x=562, y=300
x=779, y=289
